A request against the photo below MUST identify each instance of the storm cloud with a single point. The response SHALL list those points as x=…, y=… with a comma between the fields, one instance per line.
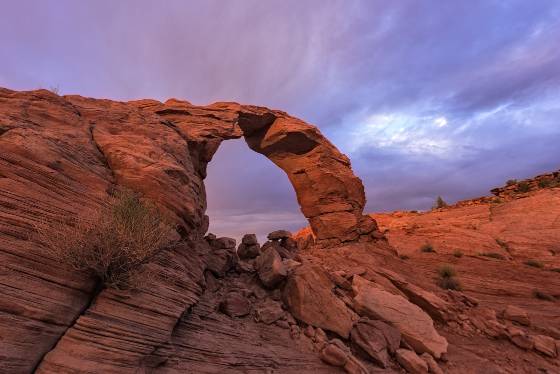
x=427, y=98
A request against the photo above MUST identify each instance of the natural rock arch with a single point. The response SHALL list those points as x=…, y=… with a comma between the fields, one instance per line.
x=330, y=196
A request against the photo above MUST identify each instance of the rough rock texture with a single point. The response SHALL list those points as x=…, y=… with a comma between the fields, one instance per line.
x=60, y=156
x=309, y=297
x=411, y=362
x=414, y=324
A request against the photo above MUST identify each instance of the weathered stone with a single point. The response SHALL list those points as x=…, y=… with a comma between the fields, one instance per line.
x=411, y=362
x=248, y=251
x=223, y=243
x=220, y=262
x=249, y=239
x=279, y=234
x=269, y=312
x=519, y=338
x=309, y=297
x=289, y=243
x=340, y=281
x=354, y=366
x=333, y=355
x=290, y=264
x=433, y=366
x=415, y=325
x=270, y=268
x=235, y=305
x=516, y=314
x=377, y=339
x=545, y=345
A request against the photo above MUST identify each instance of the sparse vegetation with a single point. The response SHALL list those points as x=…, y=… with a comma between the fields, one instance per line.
x=556, y=270
x=457, y=253
x=543, y=295
x=511, y=182
x=523, y=187
x=495, y=255
x=112, y=243
x=440, y=203
x=534, y=263
x=404, y=257
x=427, y=248
x=544, y=183
x=447, y=279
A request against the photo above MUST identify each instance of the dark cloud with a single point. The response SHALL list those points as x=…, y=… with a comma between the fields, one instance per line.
x=427, y=97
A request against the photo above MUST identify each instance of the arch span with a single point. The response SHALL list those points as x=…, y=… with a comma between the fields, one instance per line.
x=330, y=196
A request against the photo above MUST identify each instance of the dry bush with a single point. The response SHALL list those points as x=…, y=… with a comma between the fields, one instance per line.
x=113, y=242
x=427, y=248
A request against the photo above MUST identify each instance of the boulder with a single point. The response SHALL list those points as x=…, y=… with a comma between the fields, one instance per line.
x=289, y=243
x=223, y=243
x=377, y=339
x=519, y=338
x=309, y=297
x=333, y=355
x=545, y=345
x=220, y=262
x=269, y=312
x=433, y=366
x=249, y=239
x=248, y=251
x=235, y=305
x=516, y=314
x=290, y=264
x=270, y=268
x=354, y=366
x=279, y=235
x=411, y=362
x=415, y=325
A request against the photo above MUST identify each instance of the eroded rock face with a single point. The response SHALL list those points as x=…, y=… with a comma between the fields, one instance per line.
x=60, y=156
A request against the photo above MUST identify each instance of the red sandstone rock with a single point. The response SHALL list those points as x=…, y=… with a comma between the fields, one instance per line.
x=309, y=297
x=235, y=305
x=411, y=362
x=516, y=314
x=270, y=268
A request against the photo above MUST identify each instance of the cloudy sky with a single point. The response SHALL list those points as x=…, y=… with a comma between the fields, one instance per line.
x=427, y=97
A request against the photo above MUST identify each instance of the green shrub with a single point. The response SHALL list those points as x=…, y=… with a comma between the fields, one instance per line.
x=523, y=187
x=440, y=203
x=427, y=248
x=544, y=183
x=113, y=242
x=534, y=263
x=457, y=253
x=511, y=182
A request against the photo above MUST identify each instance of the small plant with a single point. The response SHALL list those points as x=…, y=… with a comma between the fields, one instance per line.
x=511, y=182
x=113, y=243
x=495, y=255
x=427, y=248
x=544, y=183
x=404, y=257
x=457, y=253
x=446, y=271
x=523, y=187
x=440, y=203
x=447, y=279
x=497, y=200
x=534, y=263
x=543, y=295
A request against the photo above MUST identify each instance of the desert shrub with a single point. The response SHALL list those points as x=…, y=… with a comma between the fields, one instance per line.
x=404, y=257
x=534, y=263
x=543, y=295
x=495, y=255
x=523, y=187
x=511, y=182
x=544, y=183
x=427, y=248
x=457, y=253
x=449, y=284
x=440, y=203
x=112, y=243
x=447, y=279
x=446, y=271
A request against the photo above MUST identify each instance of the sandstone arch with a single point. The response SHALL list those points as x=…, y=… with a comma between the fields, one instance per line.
x=331, y=197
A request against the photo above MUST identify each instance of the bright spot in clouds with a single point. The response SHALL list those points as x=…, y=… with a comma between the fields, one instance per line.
x=440, y=121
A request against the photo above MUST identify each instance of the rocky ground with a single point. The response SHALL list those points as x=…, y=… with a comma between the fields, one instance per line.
x=470, y=288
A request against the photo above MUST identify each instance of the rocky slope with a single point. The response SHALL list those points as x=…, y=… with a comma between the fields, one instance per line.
x=335, y=298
